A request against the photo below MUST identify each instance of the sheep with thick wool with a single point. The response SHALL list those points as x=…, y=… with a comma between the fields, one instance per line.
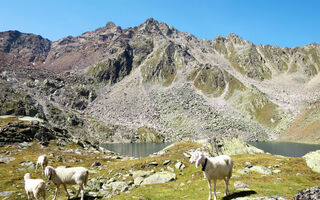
x=42, y=162
x=68, y=176
x=34, y=187
x=214, y=168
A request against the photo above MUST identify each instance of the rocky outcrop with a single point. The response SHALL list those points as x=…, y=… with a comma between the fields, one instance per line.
x=22, y=49
x=313, y=160
x=24, y=132
x=309, y=193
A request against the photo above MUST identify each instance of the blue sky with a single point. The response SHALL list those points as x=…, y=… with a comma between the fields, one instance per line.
x=276, y=22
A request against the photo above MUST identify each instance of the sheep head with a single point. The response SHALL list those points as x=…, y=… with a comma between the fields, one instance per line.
x=194, y=157
x=27, y=176
x=49, y=171
x=200, y=160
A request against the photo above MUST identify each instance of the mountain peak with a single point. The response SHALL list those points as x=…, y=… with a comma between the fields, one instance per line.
x=110, y=25
x=151, y=21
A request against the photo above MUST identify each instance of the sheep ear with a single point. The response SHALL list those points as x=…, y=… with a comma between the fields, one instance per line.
x=198, y=161
x=47, y=171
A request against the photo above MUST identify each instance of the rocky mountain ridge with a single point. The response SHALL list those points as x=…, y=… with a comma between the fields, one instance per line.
x=152, y=81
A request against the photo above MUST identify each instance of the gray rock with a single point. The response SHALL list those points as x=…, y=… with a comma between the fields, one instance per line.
x=6, y=193
x=94, y=185
x=159, y=177
x=261, y=170
x=96, y=164
x=119, y=186
x=276, y=171
x=111, y=180
x=153, y=163
x=5, y=159
x=26, y=163
x=141, y=173
x=138, y=180
x=248, y=164
x=239, y=184
x=309, y=193
x=179, y=165
x=243, y=171
x=170, y=168
x=313, y=160
x=166, y=162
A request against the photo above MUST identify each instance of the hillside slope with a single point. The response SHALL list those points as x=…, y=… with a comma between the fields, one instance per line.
x=152, y=82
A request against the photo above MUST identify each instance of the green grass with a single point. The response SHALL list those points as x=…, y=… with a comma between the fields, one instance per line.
x=190, y=183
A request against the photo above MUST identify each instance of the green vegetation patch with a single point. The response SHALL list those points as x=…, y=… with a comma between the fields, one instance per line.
x=190, y=182
x=257, y=106
x=305, y=127
x=147, y=134
x=113, y=69
x=210, y=80
x=162, y=67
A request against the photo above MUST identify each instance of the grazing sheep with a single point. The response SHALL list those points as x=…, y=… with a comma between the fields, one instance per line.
x=42, y=162
x=70, y=176
x=34, y=186
x=214, y=168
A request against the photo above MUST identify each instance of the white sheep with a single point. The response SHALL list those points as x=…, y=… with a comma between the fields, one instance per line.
x=214, y=168
x=34, y=187
x=42, y=162
x=70, y=176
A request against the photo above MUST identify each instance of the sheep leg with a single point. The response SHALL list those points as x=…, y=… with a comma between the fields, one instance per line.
x=35, y=194
x=44, y=194
x=28, y=195
x=209, y=185
x=55, y=195
x=78, y=192
x=226, y=180
x=65, y=188
x=214, y=189
x=82, y=191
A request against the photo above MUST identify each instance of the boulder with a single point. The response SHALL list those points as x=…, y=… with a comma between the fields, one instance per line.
x=239, y=184
x=245, y=171
x=248, y=164
x=159, y=177
x=261, y=170
x=4, y=159
x=309, y=193
x=119, y=186
x=166, y=162
x=313, y=160
x=141, y=173
x=179, y=165
x=154, y=163
x=138, y=180
x=236, y=146
x=6, y=193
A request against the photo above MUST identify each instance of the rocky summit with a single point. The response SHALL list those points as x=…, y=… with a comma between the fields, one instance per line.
x=154, y=83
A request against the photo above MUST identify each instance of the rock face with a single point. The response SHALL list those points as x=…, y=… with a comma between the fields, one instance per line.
x=309, y=193
x=18, y=48
x=152, y=83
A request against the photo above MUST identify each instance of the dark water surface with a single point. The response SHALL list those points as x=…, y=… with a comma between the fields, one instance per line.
x=286, y=148
x=136, y=149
